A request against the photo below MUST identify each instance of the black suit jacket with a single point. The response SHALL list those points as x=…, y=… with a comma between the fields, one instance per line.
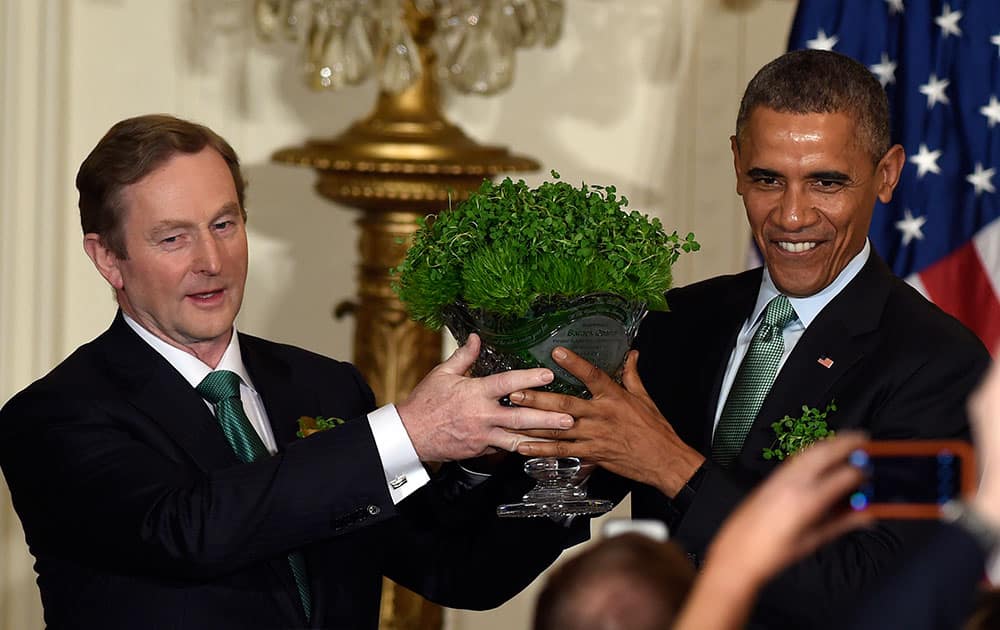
x=139, y=515
x=901, y=369
x=936, y=588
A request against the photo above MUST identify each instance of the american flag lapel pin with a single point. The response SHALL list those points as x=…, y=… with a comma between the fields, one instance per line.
x=826, y=362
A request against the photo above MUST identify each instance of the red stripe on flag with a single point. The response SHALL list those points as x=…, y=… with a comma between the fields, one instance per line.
x=959, y=284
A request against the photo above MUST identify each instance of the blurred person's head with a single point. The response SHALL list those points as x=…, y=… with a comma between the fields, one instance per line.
x=628, y=582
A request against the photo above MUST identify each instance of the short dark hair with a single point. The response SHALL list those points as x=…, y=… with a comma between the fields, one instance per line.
x=821, y=82
x=128, y=152
x=630, y=564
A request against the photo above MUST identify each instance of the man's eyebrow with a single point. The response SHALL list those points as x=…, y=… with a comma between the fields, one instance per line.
x=230, y=208
x=172, y=224
x=830, y=176
x=763, y=172
x=166, y=226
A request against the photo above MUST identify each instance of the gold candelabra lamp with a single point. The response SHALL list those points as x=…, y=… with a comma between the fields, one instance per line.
x=404, y=160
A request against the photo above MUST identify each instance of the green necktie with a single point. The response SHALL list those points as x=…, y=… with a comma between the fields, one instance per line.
x=753, y=381
x=222, y=389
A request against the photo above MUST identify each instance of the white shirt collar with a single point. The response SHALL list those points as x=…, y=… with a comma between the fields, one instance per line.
x=807, y=308
x=191, y=367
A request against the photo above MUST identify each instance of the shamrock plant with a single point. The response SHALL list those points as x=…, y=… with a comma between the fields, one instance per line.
x=509, y=246
x=309, y=425
x=795, y=434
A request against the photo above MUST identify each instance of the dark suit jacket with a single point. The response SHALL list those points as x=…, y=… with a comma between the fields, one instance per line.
x=139, y=515
x=901, y=369
x=935, y=589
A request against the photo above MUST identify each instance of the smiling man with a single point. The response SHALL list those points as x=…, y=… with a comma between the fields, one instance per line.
x=809, y=183
x=822, y=324
x=157, y=471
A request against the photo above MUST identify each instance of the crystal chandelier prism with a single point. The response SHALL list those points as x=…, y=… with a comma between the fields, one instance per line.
x=345, y=42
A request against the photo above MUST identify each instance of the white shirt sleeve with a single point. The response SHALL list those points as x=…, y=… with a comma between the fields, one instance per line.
x=404, y=474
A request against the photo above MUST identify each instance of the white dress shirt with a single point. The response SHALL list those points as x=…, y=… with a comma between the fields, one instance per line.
x=404, y=473
x=806, y=310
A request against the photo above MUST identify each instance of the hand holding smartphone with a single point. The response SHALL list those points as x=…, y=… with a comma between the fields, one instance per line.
x=907, y=479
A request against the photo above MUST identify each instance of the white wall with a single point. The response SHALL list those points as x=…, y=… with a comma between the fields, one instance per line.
x=639, y=93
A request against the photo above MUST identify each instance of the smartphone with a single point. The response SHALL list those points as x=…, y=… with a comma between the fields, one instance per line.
x=909, y=479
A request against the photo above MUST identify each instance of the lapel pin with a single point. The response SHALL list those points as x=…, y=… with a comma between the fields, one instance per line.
x=826, y=362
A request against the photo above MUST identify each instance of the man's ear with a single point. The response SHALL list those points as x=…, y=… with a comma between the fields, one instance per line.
x=106, y=261
x=735, y=145
x=888, y=170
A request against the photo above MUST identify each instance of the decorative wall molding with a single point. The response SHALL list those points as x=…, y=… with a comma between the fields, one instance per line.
x=32, y=181
x=32, y=94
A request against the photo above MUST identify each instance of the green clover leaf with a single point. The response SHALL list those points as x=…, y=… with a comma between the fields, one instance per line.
x=795, y=434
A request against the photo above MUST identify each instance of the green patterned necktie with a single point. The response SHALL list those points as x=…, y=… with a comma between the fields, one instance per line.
x=753, y=381
x=222, y=389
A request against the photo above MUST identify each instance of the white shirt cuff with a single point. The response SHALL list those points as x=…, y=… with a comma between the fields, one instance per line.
x=404, y=474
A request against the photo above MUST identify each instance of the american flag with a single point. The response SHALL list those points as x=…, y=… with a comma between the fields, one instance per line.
x=940, y=65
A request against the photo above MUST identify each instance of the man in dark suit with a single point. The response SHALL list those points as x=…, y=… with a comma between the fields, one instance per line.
x=824, y=320
x=794, y=511
x=156, y=470
x=938, y=587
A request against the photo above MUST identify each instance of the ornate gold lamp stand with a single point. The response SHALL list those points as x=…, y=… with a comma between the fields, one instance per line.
x=400, y=163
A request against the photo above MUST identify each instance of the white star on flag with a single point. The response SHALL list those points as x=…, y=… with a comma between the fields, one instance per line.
x=926, y=161
x=910, y=226
x=981, y=179
x=885, y=70
x=895, y=6
x=948, y=21
x=995, y=40
x=934, y=91
x=822, y=42
x=991, y=110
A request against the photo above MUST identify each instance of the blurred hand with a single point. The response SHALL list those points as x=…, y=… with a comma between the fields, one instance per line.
x=791, y=514
x=619, y=428
x=984, y=411
x=787, y=517
x=451, y=416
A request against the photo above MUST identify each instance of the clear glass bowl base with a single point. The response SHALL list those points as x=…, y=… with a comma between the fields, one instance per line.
x=555, y=508
x=556, y=492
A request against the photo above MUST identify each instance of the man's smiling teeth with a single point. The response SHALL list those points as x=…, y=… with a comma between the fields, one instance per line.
x=203, y=296
x=796, y=247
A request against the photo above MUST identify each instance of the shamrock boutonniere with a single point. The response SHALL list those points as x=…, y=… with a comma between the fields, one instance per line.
x=309, y=425
x=795, y=434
